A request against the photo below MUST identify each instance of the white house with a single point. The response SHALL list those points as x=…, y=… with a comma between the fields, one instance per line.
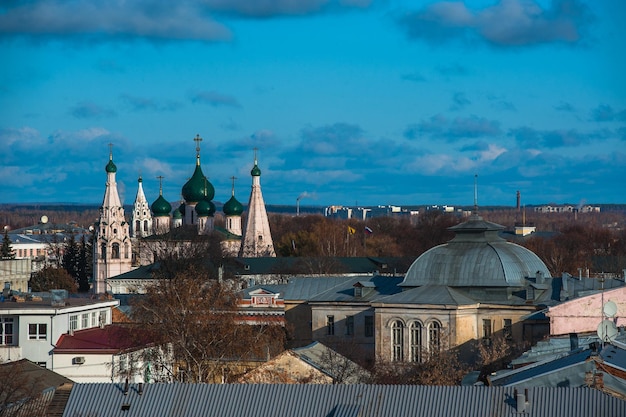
x=31, y=327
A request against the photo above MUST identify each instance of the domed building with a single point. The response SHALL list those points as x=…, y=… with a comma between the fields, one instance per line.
x=161, y=209
x=472, y=289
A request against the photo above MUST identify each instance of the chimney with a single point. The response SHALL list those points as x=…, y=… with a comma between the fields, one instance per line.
x=521, y=399
x=539, y=276
x=518, y=200
x=126, y=387
x=140, y=388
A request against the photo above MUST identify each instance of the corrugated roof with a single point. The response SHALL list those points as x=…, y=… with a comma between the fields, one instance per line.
x=344, y=292
x=314, y=400
x=109, y=339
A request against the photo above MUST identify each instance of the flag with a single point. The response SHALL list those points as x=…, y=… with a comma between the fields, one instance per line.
x=368, y=230
x=351, y=230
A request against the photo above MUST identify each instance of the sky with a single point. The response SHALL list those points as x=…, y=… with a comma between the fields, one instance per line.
x=349, y=102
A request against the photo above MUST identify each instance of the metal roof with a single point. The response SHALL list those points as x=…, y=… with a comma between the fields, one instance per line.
x=476, y=256
x=344, y=292
x=430, y=294
x=316, y=400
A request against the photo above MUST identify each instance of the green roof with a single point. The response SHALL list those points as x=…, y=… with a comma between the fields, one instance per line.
x=233, y=207
x=161, y=207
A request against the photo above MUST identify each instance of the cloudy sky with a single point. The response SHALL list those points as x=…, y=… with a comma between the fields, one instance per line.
x=348, y=101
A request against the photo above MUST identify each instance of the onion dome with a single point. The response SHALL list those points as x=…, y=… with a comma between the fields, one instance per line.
x=198, y=187
x=233, y=207
x=161, y=207
x=256, y=171
x=475, y=257
x=177, y=214
x=202, y=208
x=212, y=208
x=111, y=168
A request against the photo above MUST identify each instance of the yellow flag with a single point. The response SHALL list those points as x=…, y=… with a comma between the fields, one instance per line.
x=351, y=230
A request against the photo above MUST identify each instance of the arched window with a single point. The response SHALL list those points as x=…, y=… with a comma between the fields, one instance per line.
x=416, y=341
x=125, y=250
x=137, y=226
x=434, y=335
x=145, y=225
x=397, y=341
x=115, y=251
x=103, y=251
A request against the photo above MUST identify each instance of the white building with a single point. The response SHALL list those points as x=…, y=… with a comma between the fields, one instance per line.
x=30, y=329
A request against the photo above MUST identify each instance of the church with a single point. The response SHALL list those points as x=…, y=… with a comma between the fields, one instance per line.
x=115, y=237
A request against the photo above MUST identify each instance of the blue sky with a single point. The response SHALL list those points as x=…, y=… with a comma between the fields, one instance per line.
x=348, y=101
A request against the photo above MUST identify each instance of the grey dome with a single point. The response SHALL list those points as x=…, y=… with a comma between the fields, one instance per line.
x=476, y=257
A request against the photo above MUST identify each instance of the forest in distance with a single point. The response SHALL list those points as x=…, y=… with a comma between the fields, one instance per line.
x=564, y=241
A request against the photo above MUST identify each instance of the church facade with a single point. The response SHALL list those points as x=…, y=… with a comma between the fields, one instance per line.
x=114, y=236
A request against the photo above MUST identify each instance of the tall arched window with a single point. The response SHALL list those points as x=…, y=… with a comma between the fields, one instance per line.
x=397, y=341
x=137, y=226
x=103, y=250
x=115, y=251
x=434, y=335
x=416, y=341
x=145, y=225
x=126, y=251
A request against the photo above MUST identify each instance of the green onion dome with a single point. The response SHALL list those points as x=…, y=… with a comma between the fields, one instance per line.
x=202, y=208
x=111, y=166
x=198, y=187
x=177, y=214
x=256, y=171
x=161, y=207
x=233, y=207
x=212, y=208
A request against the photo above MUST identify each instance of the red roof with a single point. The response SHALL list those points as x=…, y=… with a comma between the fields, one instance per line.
x=109, y=339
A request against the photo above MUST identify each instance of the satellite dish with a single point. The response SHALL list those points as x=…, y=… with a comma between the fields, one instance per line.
x=609, y=309
x=44, y=219
x=607, y=331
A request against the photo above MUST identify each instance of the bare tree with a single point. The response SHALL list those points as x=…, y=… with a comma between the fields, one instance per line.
x=198, y=320
x=20, y=393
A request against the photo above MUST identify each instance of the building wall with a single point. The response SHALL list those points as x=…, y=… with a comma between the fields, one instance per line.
x=106, y=367
x=584, y=314
x=15, y=272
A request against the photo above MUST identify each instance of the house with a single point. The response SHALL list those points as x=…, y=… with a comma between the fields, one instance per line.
x=313, y=364
x=328, y=400
x=31, y=325
x=111, y=353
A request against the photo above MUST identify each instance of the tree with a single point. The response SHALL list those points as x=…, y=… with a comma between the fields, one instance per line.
x=69, y=259
x=50, y=278
x=198, y=318
x=6, y=251
x=84, y=265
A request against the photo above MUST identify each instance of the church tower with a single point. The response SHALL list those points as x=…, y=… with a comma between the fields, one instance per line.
x=257, y=238
x=161, y=210
x=195, y=190
x=112, y=245
x=141, y=219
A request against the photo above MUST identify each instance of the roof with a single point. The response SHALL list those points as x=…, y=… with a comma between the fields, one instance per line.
x=45, y=306
x=102, y=340
x=344, y=292
x=430, y=294
x=476, y=256
x=37, y=376
x=330, y=362
x=316, y=400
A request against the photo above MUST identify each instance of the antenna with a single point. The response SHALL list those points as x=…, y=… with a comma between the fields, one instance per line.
x=475, y=193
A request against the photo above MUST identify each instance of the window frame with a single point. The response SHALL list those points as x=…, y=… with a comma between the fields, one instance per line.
x=330, y=325
x=8, y=338
x=397, y=341
x=368, y=326
x=35, y=331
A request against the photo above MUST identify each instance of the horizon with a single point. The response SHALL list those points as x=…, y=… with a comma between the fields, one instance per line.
x=350, y=102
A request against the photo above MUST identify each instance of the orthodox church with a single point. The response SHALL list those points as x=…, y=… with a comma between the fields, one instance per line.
x=114, y=236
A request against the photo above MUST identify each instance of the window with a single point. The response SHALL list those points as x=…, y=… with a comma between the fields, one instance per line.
x=85, y=321
x=397, y=341
x=37, y=331
x=103, y=318
x=487, y=329
x=94, y=321
x=368, y=330
x=358, y=292
x=350, y=326
x=6, y=331
x=434, y=335
x=115, y=251
x=125, y=250
x=73, y=322
x=416, y=341
x=507, y=329
x=145, y=224
x=137, y=225
x=330, y=325
x=103, y=251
